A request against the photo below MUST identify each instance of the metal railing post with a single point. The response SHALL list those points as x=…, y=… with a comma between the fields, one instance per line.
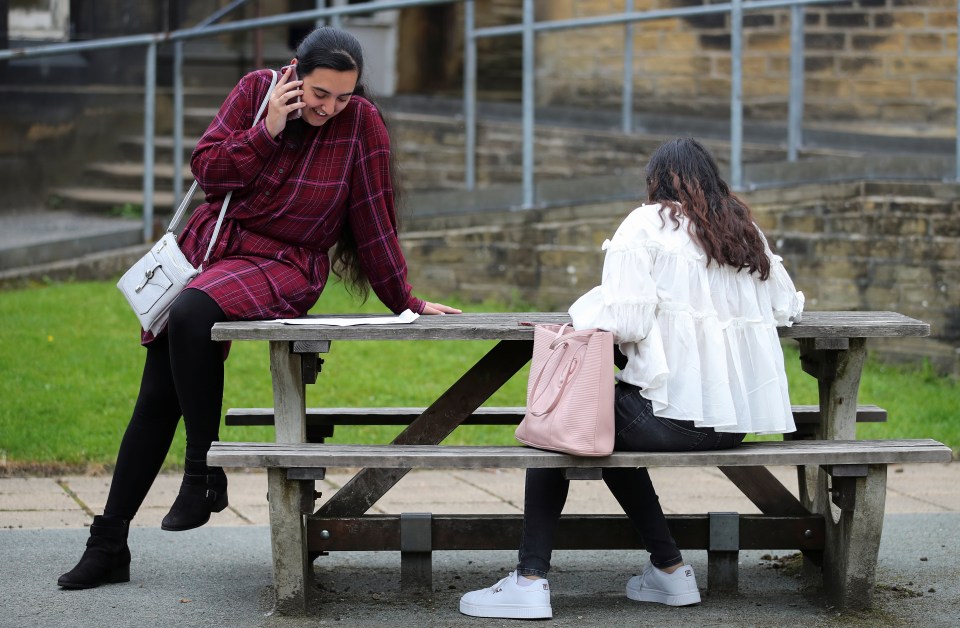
x=149, y=113
x=736, y=94
x=957, y=98
x=469, y=97
x=528, y=96
x=177, y=123
x=795, y=106
x=627, y=113
x=320, y=21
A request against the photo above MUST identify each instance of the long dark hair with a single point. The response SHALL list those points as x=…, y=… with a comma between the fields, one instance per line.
x=683, y=177
x=335, y=49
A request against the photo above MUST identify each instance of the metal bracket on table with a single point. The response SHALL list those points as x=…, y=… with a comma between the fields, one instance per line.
x=310, y=362
x=843, y=484
x=722, y=572
x=416, y=547
x=309, y=494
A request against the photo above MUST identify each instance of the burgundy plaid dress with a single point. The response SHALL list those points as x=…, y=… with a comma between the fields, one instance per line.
x=293, y=195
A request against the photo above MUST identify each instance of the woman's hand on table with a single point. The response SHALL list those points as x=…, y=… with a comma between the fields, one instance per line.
x=439, y=308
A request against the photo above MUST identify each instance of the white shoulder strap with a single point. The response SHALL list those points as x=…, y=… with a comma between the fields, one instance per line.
x=178, y=215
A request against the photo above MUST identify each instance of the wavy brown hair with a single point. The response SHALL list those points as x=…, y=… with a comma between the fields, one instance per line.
x=335, y=49
x=683, y=177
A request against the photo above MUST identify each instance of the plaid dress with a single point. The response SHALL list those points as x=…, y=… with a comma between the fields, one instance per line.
x=293, y=195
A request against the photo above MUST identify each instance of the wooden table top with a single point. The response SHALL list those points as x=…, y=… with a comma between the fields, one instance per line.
x=506, y=326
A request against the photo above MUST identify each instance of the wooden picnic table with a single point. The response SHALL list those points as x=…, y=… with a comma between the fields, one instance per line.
x=832, y=349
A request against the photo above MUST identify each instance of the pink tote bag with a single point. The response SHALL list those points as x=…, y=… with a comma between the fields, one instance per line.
x=570, y=392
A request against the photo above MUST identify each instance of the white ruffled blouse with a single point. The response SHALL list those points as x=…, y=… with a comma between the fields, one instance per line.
x=701, y=341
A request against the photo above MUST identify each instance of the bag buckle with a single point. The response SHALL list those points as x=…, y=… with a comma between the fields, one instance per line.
x=147, y=277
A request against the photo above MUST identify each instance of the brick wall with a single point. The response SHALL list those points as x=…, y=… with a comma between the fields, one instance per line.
x=850, y=246
x=877, y=60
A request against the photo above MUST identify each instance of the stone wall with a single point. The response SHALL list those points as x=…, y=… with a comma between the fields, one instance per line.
x=852, y=246
x=877, y=60
x=430, y=152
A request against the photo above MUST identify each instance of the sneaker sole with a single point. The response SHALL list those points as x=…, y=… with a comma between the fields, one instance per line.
x=684, y=599
x=507, y=612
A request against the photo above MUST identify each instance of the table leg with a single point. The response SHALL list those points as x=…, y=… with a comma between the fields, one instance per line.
x=853, y=537
x=436, y=423
x=292, y=572
x=837, y=364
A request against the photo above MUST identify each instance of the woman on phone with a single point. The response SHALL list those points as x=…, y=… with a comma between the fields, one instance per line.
x=312, y=193
x=693, y=296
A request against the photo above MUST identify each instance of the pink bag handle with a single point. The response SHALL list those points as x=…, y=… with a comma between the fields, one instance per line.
x=573, y=367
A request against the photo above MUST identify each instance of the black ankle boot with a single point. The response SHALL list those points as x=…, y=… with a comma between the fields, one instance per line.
x=106, y=559
x=200, y=494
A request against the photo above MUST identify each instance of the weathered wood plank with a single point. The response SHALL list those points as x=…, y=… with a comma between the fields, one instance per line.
x=505, y=326
x=798, y=452
x=765, y=491
x=508, y=415
x=575, y=532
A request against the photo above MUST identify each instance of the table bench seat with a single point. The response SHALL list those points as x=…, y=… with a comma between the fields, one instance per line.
x=320, y=422
x=799, y=452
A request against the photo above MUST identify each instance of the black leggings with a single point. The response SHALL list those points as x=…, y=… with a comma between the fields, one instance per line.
x=182, y=375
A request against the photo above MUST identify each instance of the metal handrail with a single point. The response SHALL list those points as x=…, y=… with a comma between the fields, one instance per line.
x=527, y=29
x=214, y=17
x=735, y=8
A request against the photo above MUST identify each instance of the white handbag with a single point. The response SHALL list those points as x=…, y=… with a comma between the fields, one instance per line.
x=152, y=284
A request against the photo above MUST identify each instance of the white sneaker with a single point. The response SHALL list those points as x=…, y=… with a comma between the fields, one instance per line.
x=674, y=589
x=507, y=599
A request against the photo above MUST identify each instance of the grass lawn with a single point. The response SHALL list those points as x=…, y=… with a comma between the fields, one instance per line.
x=70, y=364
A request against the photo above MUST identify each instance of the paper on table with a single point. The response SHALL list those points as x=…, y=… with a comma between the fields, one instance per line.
x=404, y=317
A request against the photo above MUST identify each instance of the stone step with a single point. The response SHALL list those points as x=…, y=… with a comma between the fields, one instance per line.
x=131, y=146
x=128, y=175
x=110, y=201
x=42, y=237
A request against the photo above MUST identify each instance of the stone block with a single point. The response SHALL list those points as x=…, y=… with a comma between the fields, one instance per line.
x=824, y=41
x=828, y=87
x=861, y=66
x=771, y=87
x=881, y=88
x=910, y=19
x=829, y=247
x=838, y=295
x=901, y=226
x=873, y=44
x=942, y=19
x=804, y=223
x=925, y=42
x=848, y=19
x=946, y=227
x=854, y=272
x=934, y=88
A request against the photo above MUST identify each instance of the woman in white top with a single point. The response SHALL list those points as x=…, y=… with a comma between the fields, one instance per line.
x=693, y=296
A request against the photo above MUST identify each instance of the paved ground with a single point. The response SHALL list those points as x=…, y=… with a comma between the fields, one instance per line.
x=220, y=575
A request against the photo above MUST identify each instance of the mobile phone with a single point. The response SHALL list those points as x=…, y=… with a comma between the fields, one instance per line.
x=295, y=77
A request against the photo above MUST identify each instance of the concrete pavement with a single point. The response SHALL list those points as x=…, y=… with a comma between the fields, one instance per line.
x=220, y=575
x=71, y=501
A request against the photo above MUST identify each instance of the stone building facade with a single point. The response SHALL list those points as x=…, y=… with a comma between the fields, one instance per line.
x=890, y=61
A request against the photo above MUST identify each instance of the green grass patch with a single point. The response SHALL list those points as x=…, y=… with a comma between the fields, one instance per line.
x=70, y=363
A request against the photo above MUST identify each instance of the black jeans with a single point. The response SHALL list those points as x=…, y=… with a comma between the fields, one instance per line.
x=637, y=429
